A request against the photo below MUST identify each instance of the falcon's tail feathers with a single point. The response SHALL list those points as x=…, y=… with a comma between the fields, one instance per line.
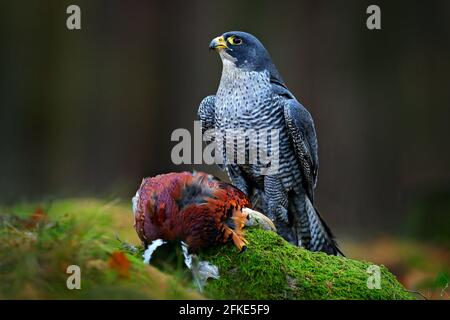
x=322, y=238
x=333, y=244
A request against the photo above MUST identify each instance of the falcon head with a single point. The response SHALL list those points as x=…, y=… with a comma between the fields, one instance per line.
x=243, y=51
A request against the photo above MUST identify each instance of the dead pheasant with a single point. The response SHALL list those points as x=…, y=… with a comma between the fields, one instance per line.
x=196, y=209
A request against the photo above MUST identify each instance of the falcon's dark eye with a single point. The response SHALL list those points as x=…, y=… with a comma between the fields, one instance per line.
x=235, y=40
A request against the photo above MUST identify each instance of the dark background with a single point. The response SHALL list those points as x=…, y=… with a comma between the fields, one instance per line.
x=90, y=112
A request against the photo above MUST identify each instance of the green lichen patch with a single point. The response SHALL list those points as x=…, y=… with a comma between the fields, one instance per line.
x=271, y=268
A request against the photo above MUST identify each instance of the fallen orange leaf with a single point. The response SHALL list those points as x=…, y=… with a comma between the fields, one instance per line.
x=38, y=216
x=119, y=262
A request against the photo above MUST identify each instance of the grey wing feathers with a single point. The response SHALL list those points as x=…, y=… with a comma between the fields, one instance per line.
x=206, y=112
x=206, y=115
x=301, y=129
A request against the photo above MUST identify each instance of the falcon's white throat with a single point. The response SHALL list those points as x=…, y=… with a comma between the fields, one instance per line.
x=233, y=76
x=227, y=58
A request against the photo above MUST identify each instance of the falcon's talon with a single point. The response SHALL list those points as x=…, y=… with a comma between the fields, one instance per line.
x=279, y=212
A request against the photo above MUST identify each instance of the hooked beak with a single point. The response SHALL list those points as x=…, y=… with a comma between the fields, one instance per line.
x=218, y=43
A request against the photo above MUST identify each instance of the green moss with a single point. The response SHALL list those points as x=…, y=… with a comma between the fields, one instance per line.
x=271, y=268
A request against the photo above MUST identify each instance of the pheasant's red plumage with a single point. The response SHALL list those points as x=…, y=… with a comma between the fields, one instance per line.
x=192, y=207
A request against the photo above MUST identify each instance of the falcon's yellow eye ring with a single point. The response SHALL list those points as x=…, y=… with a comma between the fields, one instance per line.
x=235, y=41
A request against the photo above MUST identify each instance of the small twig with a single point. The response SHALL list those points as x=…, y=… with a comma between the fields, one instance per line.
x=110, y=204
x=126, y=245
x=10, y=226
x=417, y=292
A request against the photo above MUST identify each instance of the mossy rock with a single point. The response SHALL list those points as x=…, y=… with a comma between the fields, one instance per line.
x=82, y=232
x=271, y=268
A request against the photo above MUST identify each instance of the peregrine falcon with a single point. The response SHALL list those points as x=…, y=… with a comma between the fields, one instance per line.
x=253, y=96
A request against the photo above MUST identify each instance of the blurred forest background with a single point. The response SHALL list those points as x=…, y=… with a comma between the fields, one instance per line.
x=90, y=112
